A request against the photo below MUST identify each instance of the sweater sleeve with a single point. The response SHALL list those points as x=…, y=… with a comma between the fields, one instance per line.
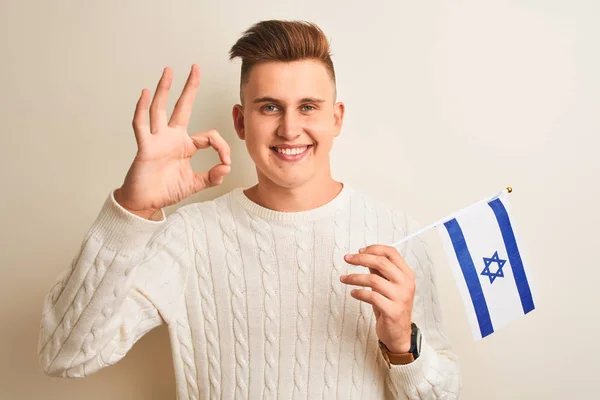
x=124, y=281
x=436, y=373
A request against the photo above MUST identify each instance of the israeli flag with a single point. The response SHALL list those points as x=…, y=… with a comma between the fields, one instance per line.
x=486, y=261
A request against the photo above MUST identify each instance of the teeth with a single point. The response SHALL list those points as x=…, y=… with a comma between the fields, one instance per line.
x=292, y=152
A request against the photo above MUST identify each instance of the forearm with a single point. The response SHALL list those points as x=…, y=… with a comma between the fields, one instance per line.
x=81, y=306
x=434, y=375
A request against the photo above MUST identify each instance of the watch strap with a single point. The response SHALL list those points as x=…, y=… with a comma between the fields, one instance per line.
x=395, y=358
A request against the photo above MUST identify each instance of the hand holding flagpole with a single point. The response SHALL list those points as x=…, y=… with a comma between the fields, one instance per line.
x=476, y=238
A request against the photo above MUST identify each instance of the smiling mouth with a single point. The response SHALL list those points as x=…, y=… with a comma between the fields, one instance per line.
x=291, y=154
x=291, y=151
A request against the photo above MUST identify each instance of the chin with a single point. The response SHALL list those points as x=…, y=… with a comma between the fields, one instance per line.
x=287, y=176
x=286, y=181
x=289, y=183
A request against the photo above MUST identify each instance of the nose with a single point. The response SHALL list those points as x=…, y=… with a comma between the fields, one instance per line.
x=289, y=128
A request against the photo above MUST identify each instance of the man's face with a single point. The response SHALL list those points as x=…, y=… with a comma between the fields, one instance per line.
x=289, y=121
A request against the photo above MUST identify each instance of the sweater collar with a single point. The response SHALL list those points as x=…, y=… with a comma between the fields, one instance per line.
x=340, y=202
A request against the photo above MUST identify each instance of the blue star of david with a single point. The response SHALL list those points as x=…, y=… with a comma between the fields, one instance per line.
x=488, y=261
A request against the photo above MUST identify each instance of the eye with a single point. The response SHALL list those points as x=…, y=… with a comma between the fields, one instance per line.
x=308, y=107
x=270, y=108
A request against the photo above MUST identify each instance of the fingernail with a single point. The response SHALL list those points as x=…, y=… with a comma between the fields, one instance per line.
x=342, y=277
x=349, y=256
x=361, y=250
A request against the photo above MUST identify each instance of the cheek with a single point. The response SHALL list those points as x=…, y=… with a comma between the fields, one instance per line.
x=321, y=130
x=260, y=129
x=253, y=131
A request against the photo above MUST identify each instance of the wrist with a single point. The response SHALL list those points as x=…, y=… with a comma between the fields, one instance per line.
x=399, y=353
x=400, y=347
x=146, y=214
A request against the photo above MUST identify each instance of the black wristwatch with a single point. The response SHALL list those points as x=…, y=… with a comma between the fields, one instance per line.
x=404, y=358
x=415, y=341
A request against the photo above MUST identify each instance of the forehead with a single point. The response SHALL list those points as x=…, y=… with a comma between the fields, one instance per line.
x=289, y=80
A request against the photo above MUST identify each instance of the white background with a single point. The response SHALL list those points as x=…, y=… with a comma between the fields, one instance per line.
x=447, y=103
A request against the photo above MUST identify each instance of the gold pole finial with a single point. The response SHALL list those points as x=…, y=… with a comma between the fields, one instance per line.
x=509, y=189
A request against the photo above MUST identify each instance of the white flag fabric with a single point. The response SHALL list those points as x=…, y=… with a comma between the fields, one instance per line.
x=486, y=261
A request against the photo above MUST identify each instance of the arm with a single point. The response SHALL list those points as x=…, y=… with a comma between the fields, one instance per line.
x=125, y=273
x=436, y=373
x=403, y=290
x=131, y=270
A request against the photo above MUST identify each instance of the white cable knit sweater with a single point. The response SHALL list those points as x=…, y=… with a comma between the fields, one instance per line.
x=252, y=299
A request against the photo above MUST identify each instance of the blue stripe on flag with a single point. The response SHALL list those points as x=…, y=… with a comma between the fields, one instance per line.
x=513, y=255
x=471, y=278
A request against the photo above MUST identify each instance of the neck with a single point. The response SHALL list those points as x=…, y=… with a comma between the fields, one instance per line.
x=311, y=195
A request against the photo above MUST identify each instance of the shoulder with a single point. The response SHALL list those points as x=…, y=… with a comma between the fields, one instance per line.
x=392, y=216
x=197, y=217
x=386, y=209
x=201, y=209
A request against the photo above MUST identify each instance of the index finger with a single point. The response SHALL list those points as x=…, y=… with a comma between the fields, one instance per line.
x=140, y=123
x=213, y=139
x=383, y=265
x=391, y=254
x=183, y=107
x=158, y=113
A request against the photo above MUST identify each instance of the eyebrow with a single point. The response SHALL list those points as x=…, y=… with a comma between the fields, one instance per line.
x=267, y=99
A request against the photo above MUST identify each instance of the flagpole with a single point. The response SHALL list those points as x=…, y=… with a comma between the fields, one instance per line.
x=453, y=215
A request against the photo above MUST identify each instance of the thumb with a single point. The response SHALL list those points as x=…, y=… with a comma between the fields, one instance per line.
x=210, y=178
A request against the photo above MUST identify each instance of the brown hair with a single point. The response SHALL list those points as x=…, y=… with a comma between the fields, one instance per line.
x=276, y=40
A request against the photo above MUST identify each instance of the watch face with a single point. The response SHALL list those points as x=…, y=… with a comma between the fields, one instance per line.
x=416, y=342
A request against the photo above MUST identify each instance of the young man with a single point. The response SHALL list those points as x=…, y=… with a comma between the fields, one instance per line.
x=259, y=287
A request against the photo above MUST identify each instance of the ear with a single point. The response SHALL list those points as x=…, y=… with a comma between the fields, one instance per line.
x=238, y=121
x=338, y=117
